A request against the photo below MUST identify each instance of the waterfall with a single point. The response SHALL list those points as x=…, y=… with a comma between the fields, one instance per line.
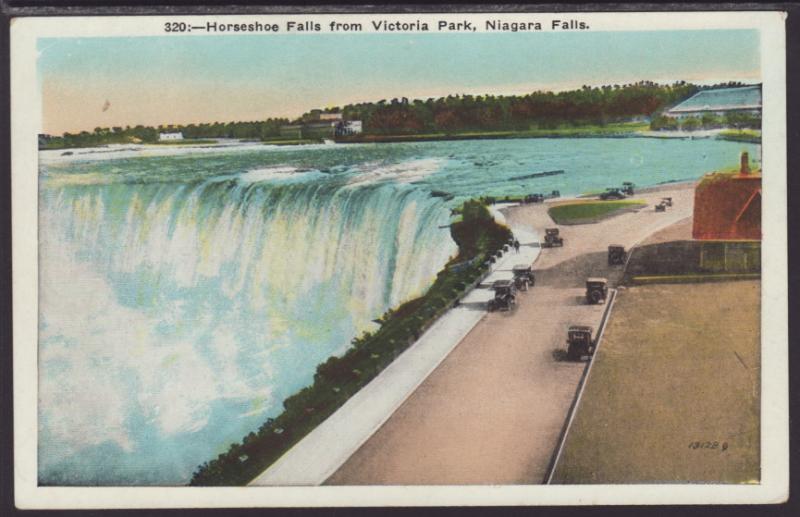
x=184, y=312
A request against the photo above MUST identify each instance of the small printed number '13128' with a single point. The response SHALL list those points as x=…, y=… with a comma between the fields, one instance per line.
x=709, y=445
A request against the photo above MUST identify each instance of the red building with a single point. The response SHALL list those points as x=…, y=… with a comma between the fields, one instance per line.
x=727, y=206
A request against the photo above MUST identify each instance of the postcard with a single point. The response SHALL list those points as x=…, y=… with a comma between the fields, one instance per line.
x=339, y=259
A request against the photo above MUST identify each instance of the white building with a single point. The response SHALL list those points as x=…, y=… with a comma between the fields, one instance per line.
x=351, y=127
x=170, y=136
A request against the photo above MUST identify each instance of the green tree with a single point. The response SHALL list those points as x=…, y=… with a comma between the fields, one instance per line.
x=661, y=122
x=741, y=120
x=710, y=121
x=691, y=124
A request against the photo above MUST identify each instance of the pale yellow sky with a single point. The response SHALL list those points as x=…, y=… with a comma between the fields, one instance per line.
x=71, y=107
x=156, y=80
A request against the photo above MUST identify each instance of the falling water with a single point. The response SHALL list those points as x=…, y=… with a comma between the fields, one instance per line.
x=176, y=310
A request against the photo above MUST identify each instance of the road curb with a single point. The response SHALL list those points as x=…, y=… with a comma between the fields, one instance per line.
x=579, y=393
x=576, y=401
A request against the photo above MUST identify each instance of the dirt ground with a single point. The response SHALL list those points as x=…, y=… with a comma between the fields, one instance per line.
x=493, y=411
x=672, y=402
x=680, y=231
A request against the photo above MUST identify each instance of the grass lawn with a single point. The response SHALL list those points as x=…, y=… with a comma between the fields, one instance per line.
x=581, y=212
x=741, y=135
x=673, y=395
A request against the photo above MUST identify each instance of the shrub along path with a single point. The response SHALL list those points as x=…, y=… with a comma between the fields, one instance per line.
x=314, y=458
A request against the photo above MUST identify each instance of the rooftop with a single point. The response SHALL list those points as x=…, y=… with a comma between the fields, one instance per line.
x=747, y=97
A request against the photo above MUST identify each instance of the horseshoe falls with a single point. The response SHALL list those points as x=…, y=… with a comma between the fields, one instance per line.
x=176, y=315
x=185, y=293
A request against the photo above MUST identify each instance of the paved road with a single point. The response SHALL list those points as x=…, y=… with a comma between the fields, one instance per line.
x=492, y=411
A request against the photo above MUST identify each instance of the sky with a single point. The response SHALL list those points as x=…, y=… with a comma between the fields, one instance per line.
x=193, y=79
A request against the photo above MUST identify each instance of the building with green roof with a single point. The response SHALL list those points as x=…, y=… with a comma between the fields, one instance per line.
x=719, y=102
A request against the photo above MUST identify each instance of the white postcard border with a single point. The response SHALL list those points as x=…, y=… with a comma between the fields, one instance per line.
x=25, y=116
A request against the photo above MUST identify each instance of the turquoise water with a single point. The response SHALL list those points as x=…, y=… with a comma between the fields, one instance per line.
x=183, y=297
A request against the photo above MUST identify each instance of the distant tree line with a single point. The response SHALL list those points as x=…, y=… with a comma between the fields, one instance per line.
x=258, y=130
x=543, y=110
x=452, y=114
x=538, y=110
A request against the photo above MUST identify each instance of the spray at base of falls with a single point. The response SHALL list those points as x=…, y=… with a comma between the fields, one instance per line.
x=180, y=315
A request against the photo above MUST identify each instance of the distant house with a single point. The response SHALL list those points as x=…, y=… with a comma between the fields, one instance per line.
x=170, y=136
x=349, y=127
x=727, y=206
x=718, y=102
